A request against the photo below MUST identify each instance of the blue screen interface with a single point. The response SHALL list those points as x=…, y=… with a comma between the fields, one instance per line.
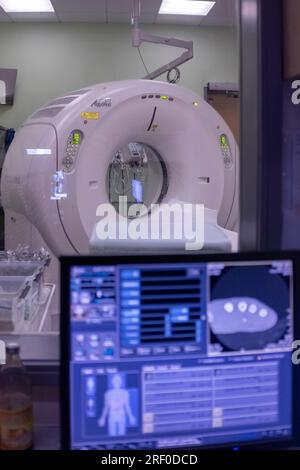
x=180, y=355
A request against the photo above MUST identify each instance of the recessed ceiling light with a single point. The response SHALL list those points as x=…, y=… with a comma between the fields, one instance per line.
x=26, y=6
x=185, y=7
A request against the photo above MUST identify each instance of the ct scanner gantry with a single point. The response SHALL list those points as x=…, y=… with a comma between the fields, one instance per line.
x=148, y=141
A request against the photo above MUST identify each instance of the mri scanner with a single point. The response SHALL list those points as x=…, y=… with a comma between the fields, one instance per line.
x=147, y=142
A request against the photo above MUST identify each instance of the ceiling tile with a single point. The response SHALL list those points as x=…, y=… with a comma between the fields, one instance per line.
x=122, y=6
x=151, y=6
x=84, y=6
x=125, y=6
x=120, y=17
x=224, y=9
x=78, y=17
x=119, y=11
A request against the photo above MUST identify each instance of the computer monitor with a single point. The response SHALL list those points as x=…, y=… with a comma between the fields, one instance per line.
x=177, y=351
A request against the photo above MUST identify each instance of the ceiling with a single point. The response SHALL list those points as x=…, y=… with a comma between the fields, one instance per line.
x=118, y=11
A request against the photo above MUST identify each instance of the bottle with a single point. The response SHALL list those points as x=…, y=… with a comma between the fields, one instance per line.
x=16, y=411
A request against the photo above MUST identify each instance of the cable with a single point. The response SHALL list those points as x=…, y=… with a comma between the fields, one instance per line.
x=143, y=62
x=176, y=76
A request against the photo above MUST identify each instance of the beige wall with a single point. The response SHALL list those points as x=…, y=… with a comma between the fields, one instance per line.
x=55, y=58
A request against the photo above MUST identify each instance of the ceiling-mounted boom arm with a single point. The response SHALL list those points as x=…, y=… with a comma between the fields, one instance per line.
x=138, y=37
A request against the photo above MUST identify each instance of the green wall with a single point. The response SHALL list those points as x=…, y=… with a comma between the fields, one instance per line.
x=55, y=58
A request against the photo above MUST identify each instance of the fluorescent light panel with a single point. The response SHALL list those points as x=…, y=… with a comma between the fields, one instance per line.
x=185, y=7
x=26, y=6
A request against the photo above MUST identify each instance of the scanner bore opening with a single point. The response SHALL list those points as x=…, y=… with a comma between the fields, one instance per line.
x=137, y=172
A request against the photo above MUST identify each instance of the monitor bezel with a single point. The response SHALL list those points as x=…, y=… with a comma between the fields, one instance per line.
x=67, y=262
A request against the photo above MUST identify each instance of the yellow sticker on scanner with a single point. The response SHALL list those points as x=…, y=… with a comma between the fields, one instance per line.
x=86, y=115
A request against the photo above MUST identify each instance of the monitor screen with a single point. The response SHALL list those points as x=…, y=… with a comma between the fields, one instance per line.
x=179, y=354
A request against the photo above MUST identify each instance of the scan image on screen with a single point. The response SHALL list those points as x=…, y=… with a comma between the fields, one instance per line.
x=111, y=402
x=244, y=313
x=180, y=355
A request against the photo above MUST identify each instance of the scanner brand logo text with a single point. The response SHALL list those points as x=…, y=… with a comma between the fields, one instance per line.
x=102, y=103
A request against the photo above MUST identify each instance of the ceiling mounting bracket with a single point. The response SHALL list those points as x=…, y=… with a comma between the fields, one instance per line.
x=138, y=37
